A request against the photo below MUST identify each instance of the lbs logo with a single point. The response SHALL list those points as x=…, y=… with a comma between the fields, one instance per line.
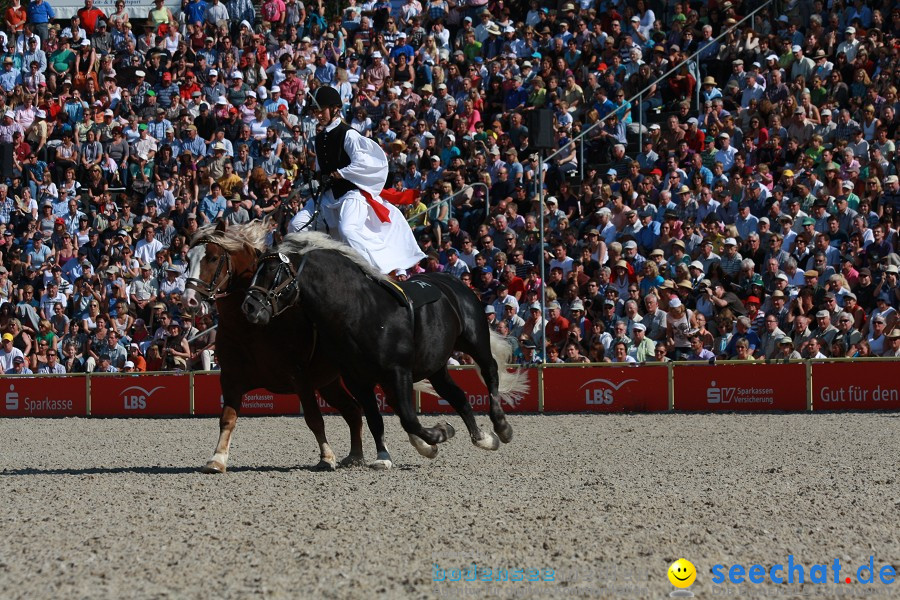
x=601, y=391
x=719, y=395
x=135, y=397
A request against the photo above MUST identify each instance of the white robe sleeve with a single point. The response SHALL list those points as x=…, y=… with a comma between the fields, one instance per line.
x=368, y=168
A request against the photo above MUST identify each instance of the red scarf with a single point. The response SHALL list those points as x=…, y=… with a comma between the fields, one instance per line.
x=392, y=195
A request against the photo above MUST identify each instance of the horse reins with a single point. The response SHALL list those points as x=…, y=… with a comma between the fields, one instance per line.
x=274, y=295
x=213, y=290
x=317, y=201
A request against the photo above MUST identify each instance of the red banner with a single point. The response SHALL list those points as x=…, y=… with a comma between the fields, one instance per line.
x=383, y=406
x=855, y=386
x=477, y=394
x=208, y=399
x=140, y=395
x=740, y=387
x=207, y=395
x=606, y=389
x=43, y=397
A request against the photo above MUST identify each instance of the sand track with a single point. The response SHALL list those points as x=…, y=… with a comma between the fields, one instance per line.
x=116, y=508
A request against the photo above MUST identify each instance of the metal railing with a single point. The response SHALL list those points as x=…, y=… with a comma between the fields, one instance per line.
x=639, y=95
x=448, y=201
x=689, y=61
x=580, y=137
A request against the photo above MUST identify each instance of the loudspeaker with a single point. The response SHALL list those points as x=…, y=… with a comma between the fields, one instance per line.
x=6, y=160
x=540, y=129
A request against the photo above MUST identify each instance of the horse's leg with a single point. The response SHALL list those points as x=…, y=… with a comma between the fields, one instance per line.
x=479, y=348
x=313, y=417
x=365, y=395
x=232, y=405
x=335, y=395
x=398, y=385
x=445, y=386
x=490, y=371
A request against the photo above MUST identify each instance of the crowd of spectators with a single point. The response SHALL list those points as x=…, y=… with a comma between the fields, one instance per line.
x=760, y=223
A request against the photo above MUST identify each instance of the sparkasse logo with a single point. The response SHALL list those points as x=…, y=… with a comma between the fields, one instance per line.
x=716, y=395
x=738, y=395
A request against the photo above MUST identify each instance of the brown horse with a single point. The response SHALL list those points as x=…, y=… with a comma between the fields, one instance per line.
x=280, y=356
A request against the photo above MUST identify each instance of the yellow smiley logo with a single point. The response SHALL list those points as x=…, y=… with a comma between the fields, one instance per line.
x=682, y=573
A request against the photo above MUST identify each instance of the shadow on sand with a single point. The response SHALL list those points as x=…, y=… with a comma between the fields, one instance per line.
x=159, y=470
x=156, y=470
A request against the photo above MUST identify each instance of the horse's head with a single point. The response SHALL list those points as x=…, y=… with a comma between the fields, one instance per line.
x=209, y=272
x=222, y=260
x=273, y=290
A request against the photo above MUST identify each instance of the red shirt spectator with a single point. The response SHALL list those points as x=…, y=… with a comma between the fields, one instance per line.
x=89, y=16
x=557, y=329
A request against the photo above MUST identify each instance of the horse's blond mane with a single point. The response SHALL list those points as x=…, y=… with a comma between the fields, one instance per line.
x=303, y=242
x=237, y=237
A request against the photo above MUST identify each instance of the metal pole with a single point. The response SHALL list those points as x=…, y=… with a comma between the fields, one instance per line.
x=697, y=85
x=581, y=159
x=540, y=184
x=640, y=111
x=200, y=334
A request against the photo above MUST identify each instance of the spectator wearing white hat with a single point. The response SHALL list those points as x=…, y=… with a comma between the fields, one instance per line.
x=642, y=346
x=892, y=347
x=378, y=71
x=850, y=45
x=679, y=322
x=726, y=152
x=802, y=65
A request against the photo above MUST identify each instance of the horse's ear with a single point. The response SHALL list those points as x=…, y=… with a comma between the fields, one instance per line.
x=221, y=226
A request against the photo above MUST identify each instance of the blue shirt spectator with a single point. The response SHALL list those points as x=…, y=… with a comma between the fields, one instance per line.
x=40, y=12
x=195, y=11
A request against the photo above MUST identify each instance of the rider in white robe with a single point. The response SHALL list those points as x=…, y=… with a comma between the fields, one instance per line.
x=389, y=246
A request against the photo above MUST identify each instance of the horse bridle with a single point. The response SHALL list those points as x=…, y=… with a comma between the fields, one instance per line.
x=214, y=289
x=289, y=284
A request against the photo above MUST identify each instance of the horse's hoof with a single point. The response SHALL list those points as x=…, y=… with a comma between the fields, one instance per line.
x=447, y=428
x=488, y=441
x=383, y=462
x=423, y=447
x=325, y=465
x=213, y=467
x=353, y=461
x=505, y=433
x=429, y=452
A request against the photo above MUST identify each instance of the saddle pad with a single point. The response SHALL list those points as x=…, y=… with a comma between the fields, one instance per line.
x=419, y=292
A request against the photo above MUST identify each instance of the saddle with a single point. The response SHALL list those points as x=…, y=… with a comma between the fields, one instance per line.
x=413, y=292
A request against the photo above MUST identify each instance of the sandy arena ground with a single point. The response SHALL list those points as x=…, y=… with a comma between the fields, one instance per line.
x=114, y=508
